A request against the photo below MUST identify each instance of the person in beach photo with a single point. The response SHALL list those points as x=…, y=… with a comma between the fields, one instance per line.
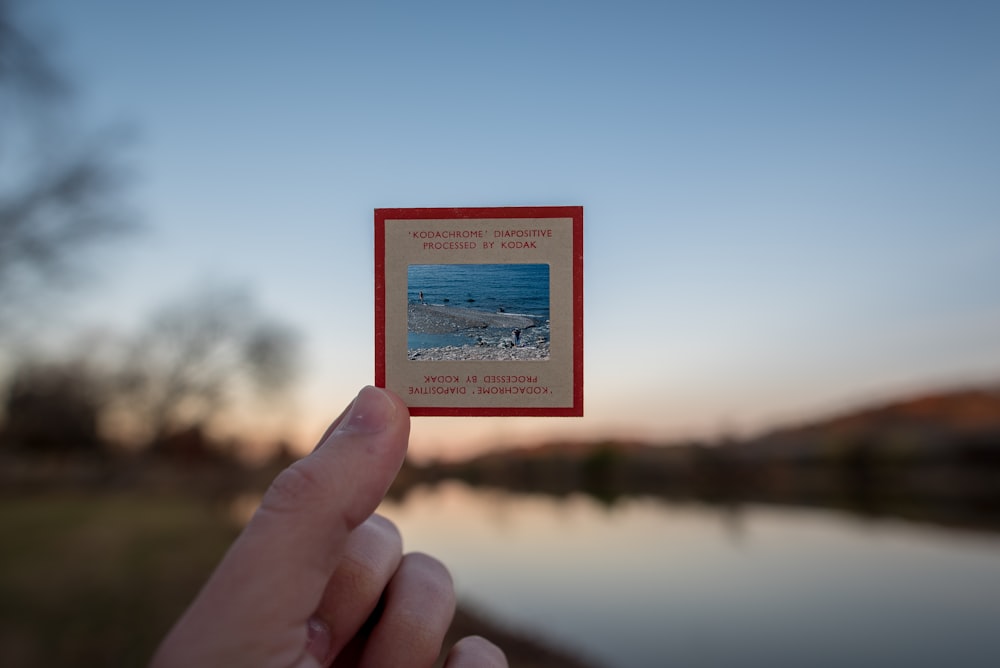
x=421, y=296
x=517, y=337
x=317, y=578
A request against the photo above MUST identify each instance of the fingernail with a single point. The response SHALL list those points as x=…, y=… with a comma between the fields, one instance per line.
x=371, y=412
x=318, y=639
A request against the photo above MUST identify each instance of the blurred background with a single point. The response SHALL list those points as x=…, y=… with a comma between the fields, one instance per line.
x=791, y=453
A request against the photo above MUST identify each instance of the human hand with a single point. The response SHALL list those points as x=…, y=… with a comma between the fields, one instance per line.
x=316, y=579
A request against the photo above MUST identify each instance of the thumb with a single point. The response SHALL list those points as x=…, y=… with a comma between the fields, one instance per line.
x=273, y=576
x=313, y=505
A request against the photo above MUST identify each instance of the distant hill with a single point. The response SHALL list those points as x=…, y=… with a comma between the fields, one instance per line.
x=964, y=410
x=943, y=424
x=963, y=424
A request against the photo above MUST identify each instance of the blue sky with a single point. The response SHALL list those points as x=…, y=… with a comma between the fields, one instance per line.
x=790, y=207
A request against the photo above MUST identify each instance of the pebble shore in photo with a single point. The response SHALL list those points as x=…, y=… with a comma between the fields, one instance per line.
x=489, y=334
x=480, y=353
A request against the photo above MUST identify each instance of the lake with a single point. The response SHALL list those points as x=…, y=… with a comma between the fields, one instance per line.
x=650, y=583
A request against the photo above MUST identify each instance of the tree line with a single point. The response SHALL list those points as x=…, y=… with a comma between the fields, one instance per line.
x=63, y=195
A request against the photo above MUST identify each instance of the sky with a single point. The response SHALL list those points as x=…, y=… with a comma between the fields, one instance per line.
x=790, y=208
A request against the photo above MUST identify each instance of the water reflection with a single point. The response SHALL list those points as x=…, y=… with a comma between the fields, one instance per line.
x=649, y=583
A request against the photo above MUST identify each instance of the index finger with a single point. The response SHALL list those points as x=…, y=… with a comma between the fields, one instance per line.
x=273, y=576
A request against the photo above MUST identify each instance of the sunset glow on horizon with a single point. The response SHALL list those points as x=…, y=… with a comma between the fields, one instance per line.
x=789, y=210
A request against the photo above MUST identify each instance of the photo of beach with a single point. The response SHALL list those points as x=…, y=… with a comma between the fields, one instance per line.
x=481, y=312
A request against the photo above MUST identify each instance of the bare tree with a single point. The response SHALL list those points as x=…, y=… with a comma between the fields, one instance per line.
x=59, y=194
x=194, y=358
x=53, y=407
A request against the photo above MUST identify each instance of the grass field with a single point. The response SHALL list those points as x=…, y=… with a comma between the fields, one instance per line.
x=97, y=579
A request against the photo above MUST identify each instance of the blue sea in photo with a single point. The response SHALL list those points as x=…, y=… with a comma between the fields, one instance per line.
x=521, y=289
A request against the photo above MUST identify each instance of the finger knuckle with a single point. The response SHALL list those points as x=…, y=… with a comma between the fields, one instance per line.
x=477, y=651
x=293, y=488
x=427, y=566
x=430, y=575
x=421, y=604
x=386, y=529
x=422, y=635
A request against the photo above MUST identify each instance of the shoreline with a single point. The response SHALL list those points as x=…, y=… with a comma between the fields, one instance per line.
x=442, y=319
